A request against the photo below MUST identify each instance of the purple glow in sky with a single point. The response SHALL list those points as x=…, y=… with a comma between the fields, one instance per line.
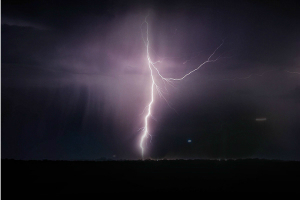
x=75, y=79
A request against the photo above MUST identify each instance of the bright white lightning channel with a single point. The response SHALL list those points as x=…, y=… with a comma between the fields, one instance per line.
x=153, y=69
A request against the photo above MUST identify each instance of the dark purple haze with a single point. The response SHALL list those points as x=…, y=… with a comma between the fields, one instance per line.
x=75, y=80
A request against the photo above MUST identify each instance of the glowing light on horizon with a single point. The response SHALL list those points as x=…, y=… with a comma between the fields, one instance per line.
x=292, y=72
x=153, y=69
x=260, y=119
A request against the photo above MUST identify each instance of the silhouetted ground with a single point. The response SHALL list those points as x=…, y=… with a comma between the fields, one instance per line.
x=250, y=175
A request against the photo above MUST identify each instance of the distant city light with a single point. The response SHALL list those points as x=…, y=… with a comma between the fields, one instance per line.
x=260, y=119
x=189, y=141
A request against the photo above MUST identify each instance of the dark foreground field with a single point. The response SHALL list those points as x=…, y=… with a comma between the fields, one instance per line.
x=251, y=175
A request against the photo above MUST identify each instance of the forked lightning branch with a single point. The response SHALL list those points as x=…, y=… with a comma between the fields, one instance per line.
x=154, y=72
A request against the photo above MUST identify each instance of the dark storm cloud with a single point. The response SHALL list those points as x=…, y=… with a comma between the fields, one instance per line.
x=26, y=45
x=75, y=78
x=55, y=14
x=82, y=30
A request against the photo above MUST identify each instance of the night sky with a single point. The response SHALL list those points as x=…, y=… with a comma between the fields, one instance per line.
x=75, y=79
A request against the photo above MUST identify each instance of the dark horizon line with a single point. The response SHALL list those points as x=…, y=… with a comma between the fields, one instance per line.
x=155, y=160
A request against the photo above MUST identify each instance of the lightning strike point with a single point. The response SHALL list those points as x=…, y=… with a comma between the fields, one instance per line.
x=260, y=119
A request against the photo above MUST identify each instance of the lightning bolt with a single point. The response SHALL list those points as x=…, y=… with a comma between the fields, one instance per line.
x=154, y=71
